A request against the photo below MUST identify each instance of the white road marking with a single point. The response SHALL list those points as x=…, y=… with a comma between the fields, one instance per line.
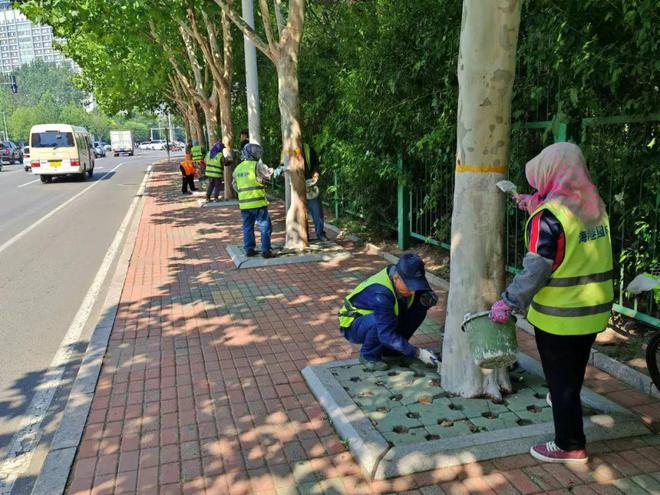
x=29, y=229
x=100, y=168
x=27, y=437
x=28, y=183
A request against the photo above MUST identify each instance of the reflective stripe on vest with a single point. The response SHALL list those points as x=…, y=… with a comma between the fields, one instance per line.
x=213, y=166
x=251, y=194
x=348, y=312
x=577, y=299
x=196, y=151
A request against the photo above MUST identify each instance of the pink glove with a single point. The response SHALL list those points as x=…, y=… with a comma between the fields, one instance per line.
x=522, y=200
x=528, y=202
x=500, y=312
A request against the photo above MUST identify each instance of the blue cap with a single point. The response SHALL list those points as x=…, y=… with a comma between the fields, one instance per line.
x=410, y=268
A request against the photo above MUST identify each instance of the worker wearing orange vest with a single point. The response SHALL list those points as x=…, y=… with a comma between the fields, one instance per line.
x=187, y=168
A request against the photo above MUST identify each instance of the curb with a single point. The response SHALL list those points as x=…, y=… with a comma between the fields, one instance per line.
x=54, y=474
x=380, y=460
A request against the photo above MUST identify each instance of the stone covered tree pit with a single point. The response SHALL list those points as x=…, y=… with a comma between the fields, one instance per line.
x=406, y=403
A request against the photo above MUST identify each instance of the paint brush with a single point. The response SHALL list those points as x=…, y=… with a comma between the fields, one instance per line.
x=506, y=186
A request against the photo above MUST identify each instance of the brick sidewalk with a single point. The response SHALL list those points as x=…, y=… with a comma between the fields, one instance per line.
x=201, y=390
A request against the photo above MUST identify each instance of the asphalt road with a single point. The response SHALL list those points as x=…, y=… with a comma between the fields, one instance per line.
x=46, y=273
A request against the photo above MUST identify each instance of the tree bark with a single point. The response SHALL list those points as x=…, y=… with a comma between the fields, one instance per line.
x=289, y=104
x=227, y=135
x=198, y=131
x=211, y=119
x=486, y=68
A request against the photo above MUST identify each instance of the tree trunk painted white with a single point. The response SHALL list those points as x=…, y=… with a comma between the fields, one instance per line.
x=251, y=76
x=486, y=69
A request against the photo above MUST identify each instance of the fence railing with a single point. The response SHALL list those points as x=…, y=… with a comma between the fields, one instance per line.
x=424, y=196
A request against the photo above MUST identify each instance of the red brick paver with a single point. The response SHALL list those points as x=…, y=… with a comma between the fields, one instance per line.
x=201, y=390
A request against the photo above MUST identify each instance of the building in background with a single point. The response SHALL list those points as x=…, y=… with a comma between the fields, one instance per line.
x=22, y=42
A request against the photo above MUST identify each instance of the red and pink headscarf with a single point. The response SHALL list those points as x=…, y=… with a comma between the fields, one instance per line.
x=559, y=173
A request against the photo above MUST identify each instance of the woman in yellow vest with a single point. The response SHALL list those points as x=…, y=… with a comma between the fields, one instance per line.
x=565, y=287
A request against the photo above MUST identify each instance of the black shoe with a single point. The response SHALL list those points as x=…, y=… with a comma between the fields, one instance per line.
x=208, y=200
x=251, y=252
x=216, y=199
x=268, y=254
x=186, y=192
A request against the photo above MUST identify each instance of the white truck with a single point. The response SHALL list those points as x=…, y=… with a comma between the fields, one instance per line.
x=121, y=142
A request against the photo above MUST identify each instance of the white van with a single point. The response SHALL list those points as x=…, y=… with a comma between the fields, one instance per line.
x=60, y=149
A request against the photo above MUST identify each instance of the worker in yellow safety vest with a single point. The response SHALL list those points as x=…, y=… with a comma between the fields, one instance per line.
x=214, y=163
x=383, y=312
x=565, y=288
x=249, y=179
x=197, y=152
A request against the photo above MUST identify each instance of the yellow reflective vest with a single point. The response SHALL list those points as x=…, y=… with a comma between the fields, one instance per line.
x=196, y=152
x=348, y=312
x=251, y=193
x=578, y=297
x=213, y=165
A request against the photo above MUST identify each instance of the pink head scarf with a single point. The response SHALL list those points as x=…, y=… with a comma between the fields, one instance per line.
x=559, y=173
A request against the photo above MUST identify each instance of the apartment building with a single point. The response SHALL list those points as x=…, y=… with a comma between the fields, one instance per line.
x=22, y=42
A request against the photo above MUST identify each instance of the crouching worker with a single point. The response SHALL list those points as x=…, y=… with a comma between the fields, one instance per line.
x=249, y=181
x=187, y=168
x=384, y=311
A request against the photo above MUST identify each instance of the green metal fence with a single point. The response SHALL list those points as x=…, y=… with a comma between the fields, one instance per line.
x=624, y=161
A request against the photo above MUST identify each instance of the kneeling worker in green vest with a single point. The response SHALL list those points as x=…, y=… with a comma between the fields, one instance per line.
x=384, y=311
x=249, y=182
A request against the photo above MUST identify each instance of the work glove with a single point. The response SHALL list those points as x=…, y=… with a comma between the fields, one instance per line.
x=522, y=200
x=500, y=312
x=428, y=299
x=278, y=171
x=427, y=357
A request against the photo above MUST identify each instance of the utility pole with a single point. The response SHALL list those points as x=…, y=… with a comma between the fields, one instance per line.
x=4, y=121
x=169, y=126
x=251, y=76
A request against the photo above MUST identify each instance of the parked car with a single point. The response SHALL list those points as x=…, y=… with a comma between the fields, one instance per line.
x=145, y=145
x=10, y=153
x=26, y=159
x=99, y=150
x=158, y=145
x=106, y=146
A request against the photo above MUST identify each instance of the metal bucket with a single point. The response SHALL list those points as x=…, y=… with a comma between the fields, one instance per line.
x=493, y=345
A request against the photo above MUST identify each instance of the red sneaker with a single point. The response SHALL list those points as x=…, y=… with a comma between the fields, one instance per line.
x=549, y=452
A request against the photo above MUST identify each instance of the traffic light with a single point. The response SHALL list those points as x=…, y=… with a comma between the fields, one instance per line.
x=14, y=86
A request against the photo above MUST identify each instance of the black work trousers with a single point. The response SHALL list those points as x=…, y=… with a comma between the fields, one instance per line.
x=188, y=181
x=213, y=189
x=564, y=359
